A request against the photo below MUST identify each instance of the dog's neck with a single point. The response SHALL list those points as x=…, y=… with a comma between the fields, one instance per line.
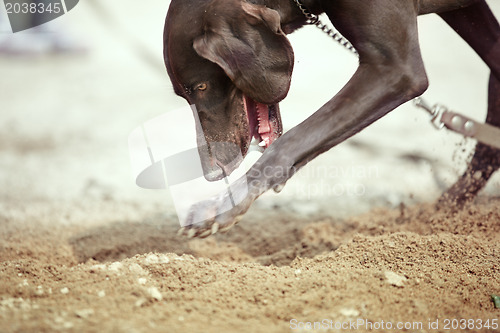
x=290, y=15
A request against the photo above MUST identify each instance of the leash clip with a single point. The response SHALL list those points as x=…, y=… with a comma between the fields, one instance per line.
x=435, y=112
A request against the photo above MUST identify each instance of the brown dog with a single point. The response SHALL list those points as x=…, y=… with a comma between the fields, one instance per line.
x=232, y=59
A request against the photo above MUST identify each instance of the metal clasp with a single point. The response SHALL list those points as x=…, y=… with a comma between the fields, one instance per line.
x=435, y=111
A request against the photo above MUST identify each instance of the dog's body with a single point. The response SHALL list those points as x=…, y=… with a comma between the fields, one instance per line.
x=231, y=58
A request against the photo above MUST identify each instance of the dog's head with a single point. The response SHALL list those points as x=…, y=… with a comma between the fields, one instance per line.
x=234, y=63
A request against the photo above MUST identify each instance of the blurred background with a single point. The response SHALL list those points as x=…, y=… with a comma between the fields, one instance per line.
x=71, y=93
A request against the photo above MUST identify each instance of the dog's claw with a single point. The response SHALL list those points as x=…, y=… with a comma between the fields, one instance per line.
x=237, y=219
x=226, y=228
x=205, y=233
x=215, y=228
x=278, y=188
x=191, y=233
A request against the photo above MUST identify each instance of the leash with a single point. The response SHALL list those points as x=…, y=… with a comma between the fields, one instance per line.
x=440, y=115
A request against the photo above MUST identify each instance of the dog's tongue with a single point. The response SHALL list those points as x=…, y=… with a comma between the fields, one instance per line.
x=264, y=121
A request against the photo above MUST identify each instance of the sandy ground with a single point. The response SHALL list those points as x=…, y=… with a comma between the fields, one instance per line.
x=360, y=245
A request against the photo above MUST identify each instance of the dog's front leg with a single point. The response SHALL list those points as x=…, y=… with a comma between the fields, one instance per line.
x=390, y=73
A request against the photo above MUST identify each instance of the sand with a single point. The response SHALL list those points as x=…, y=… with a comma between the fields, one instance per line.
x=271, y=273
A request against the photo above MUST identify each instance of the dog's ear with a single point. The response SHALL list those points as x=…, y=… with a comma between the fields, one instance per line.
x=253, y=51
x=257, y=14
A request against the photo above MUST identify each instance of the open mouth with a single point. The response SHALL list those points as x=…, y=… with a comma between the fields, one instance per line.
x=264, y=121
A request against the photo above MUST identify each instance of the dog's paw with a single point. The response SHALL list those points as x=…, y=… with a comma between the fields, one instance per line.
x=218, y=214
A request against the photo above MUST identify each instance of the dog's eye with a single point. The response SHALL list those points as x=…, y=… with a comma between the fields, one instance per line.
x=201, y=86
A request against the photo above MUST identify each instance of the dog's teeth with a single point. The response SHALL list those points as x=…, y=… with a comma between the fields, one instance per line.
x=262, y=144
x=191, y=233
x=205, y=233
x=181, y=231
x=215, y=228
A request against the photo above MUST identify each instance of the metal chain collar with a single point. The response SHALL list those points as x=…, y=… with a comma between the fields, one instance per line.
x=314, y=20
